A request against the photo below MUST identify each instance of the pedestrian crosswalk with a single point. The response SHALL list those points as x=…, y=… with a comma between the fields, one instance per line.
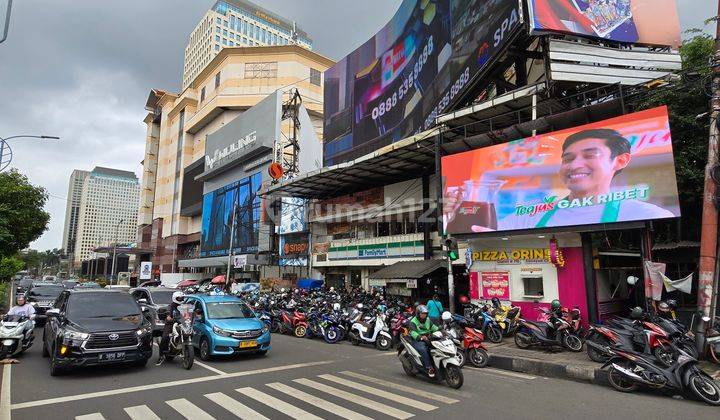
x=348, y=395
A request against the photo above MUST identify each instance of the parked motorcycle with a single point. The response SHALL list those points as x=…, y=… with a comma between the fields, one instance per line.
x=475, y=350
x=181, y=337
x=374, y=332
x=485, y=321
x=16, y=335
x=443, y=354
x=658, y=341
x=628, y=370
x=532, y=333
x=507, y=318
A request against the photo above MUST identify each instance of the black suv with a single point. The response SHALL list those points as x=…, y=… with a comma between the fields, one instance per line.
x=153, y=299
x=96, y=327
x=42, y=296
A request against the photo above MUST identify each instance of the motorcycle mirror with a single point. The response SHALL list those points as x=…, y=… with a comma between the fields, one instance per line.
x=632, y=280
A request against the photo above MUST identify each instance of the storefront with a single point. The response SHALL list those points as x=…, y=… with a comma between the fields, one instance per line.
x=528, y=272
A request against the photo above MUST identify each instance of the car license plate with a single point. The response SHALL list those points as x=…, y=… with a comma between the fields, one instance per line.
x=111, y=357
x=247, y=344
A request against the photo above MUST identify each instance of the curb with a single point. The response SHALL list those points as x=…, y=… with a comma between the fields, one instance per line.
x=573, y=372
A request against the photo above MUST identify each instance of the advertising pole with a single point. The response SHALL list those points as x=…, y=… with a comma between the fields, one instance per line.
x=451, y=285
x=707, y=284
x=230, y=250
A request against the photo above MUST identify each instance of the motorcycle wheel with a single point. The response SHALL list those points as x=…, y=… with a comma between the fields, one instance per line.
x=478, y=357
x=383, y=343
x=462, y=357
x=332, y=335
x=454, y=376
x=620, y=382
x=522, y=340
x=705, y=389
x=300, y=331
x=573, y=342
x=666, y=355
x=715, y=354
x=494, y=335
x=354, y=340
x=594, y=354
x=188, y=355
x=275, y=327
x=407, y=365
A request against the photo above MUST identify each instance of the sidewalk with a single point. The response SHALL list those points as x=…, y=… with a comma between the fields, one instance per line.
x=563, y=365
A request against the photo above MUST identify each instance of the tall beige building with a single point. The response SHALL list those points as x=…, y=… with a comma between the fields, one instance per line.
x=170, y=212
x=72, y=211
x=108, y=211
x=231, y=23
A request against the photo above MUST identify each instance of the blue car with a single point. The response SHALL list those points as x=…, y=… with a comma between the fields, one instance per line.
x=225, y=325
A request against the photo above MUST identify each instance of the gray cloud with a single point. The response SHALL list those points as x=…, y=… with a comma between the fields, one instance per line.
x=82, y=69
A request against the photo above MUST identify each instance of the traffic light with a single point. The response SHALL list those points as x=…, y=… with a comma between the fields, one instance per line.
x=451, y=245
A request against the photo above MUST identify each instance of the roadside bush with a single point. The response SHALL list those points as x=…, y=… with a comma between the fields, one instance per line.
x=101, y=282
x=4, y=290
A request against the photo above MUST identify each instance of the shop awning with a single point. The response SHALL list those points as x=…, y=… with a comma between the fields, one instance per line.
x=409, y=270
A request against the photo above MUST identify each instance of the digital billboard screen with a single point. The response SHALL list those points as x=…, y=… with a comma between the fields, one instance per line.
x=616, y=170
x=217, y=218
x=653, y=22
x=421, y=62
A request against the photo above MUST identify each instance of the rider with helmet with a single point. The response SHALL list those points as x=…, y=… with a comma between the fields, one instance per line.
x=555, y=316
x=23, y=308
x=173, y=314
x=420, y=329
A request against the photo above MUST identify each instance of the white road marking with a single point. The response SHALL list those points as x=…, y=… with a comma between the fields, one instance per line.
x=501, y=372
x=5, y=393
x=392, y=385
x=356, y=399
x=240, y=410
x=380, y=393
x=189, y=410
x=318, y=402
x=210, y=368
x=280, y=405
x=152, y=387
x=141, y=412
x=93, y=416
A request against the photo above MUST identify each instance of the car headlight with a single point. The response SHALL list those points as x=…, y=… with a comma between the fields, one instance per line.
x=74, y=338
x=220, y=331
x=33, y=303
x=265, y=329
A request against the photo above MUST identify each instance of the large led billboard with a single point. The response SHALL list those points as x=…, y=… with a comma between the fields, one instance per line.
x=653, y=22
x=420, y=63
x=217, y=218
x=616, y=170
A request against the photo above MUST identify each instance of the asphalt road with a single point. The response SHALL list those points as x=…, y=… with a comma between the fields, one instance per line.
x=308, y=379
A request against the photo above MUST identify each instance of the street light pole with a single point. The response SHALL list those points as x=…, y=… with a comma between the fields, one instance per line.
x=7, y=22
x=230, y=250
x=3, y=140
x=117, y=228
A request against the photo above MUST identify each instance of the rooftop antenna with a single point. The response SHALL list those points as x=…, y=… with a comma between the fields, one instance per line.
x=294, y=35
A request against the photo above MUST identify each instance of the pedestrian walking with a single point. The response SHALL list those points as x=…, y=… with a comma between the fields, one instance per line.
x=435, y=309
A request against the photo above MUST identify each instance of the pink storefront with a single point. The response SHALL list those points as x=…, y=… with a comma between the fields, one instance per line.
x=529, y=271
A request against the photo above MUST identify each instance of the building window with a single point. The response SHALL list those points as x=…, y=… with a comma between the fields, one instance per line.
x=225, y=23
x=261, y=70
x=224, y=41
x=202, y=94
x=224, y=32
x=315, y=77
x=232, y=44
x=217, y=80
x=533, y=287
x=232, y=21
x=218, y=21
x=217, y=38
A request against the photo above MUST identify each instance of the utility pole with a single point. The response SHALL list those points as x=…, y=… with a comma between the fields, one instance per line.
x=117, y=229
x=7, y=22
x=707, y=284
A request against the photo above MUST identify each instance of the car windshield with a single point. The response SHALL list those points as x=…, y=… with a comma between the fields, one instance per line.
x=162, y=297
x=88, y=286
x=25, y=283
x=102, y=305
x=227, y=310
x=46, y=291
x=69, y=284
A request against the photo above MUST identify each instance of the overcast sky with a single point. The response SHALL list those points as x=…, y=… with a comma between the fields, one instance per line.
x=82, y=70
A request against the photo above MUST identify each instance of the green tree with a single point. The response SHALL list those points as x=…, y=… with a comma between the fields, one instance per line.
x=687, y=98
x=9, y=266
x=22, y=218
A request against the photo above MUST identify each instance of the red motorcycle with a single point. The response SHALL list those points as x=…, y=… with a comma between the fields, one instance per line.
x=474, y=347
x=628, y=335
x=292, y=323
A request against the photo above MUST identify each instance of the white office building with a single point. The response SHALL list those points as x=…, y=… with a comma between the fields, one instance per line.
x=108, y=211
x=72, y=211
x=237, y=23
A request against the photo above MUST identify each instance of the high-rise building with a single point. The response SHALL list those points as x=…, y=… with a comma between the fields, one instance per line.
x=72, y=211
x=237, y=23
x=108, y=211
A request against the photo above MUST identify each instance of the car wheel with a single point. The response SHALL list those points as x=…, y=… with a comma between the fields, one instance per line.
x=261, y=352
x=55, y=369
x=45, y=352
x=140, y=363
x=204, y=349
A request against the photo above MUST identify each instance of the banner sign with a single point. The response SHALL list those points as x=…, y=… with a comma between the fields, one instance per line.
x=495, y=285
x=474, y=286
x=294, y=245
x=653, y=22
x=239, y=261
x=420, y=63
x=616, y=170
x=145, y=270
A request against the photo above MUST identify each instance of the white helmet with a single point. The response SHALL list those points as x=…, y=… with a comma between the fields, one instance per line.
x=446, y=316
x=336, y=306
x=360, y=305
x=332, y=289
x=178, y=297
x=282, y=290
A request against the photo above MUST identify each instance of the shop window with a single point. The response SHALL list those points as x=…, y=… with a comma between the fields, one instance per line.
x=533, y=286
x=396, y=228
x=383, y=229
x=315, y=77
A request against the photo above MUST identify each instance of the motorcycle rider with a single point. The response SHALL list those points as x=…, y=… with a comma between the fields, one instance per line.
x=555, y=316
x=23, y=308
x=420, y=328
x=173, y=314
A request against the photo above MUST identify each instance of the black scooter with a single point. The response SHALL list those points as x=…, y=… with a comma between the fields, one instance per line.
x=530, y=333
x=628, y=370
